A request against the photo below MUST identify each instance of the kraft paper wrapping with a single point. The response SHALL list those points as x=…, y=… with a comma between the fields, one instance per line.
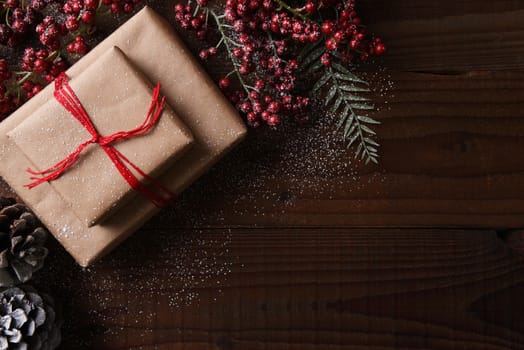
x=153, y=47
x=117, y=98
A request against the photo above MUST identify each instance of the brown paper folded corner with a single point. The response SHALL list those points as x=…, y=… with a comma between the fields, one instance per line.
x=153, y=47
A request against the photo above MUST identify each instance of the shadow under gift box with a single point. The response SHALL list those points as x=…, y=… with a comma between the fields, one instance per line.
x=152, y=46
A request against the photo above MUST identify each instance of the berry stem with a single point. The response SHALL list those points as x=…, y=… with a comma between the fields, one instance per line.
x=282, y=4
x=227, y=41
x=197, y=8
x=7, y=17
x=53, y=55
x=25, y=78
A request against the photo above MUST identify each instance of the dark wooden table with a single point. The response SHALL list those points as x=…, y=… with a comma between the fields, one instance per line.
x=290, y=244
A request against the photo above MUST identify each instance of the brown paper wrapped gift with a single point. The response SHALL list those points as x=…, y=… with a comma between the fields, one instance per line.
x=155, y=50
x=116, y=97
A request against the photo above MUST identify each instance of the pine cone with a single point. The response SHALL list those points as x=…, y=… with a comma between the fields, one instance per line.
x=21, y=243
x=27, y=320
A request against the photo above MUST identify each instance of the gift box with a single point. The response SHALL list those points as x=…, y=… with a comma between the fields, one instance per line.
x=115, y=100
x=90, y=208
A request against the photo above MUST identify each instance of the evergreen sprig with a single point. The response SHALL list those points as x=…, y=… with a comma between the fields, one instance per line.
x=344, y=95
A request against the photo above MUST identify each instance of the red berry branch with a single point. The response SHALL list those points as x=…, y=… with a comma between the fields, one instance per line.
x=60, y=28
x=262, y=39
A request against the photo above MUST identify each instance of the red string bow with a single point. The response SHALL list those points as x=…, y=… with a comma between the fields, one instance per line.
x=65, y=95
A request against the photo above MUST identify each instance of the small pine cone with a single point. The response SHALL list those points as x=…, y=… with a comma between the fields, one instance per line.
x=28, y=320
x=22, y=239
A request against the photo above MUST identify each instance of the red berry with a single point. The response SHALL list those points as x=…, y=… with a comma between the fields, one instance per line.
x=238, y=52
x=259, y=84
x=115, y=7
x=257, y=107
x=345, y=15
x=339, y=36
x=224, y=83
x=11, y=3
x=273, y=120
x=325, y=59
x=91, y=4
x=19, y=26
x=36, y=89
x=40, y=65
x=81, y=48
x=88, y=17
x=128, y=8
x=310, y=7
x=331, y=44
x=327, y=27
x=71, y=23
x=27, y=86
x=273, y=107
x=265, y=115
x=245, y=107
x=204, y=55
x=380, y=49
x=195, y=23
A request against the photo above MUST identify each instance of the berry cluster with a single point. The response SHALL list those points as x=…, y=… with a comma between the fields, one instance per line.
x=49, y=32
x=261, y=37
x=117, y=6
x=39, y=67
x=297, y=28
x=23, y=21
x=7, y=101
x=48, y=65
x=184, y=15
x=19, y=21
x=346, y=35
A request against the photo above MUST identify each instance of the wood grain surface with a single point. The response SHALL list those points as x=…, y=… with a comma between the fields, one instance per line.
x=288, y=243
x=449, y=157
x=310, y=288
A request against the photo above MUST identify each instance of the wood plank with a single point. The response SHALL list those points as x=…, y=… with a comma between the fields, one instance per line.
x=451, y=147
x=295, y=289
x=449, y=35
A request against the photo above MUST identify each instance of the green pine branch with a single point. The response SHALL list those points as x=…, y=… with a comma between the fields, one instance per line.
x=344, y=97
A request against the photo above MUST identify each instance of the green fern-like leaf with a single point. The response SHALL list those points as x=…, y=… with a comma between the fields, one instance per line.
x=344, y=98
x=344, y=94
x=309, y=57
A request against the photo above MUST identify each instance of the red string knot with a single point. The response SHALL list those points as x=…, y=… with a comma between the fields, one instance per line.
x=157, y=193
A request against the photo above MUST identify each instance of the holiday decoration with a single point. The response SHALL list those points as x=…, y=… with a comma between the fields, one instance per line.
x=22, y=239
x=97, y=181
x=151, y=47
x=262, y=39
x=24, y=22
x=28, y=320
x=272, y=45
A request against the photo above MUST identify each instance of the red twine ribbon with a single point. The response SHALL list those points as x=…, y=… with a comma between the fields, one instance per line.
x=65, y=95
